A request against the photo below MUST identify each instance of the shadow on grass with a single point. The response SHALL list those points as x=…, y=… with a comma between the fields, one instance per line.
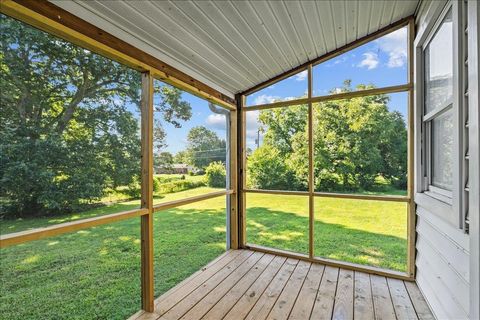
x=95, y=273
x=289, y=231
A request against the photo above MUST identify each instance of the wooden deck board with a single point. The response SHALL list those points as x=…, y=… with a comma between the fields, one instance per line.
x=243, y=284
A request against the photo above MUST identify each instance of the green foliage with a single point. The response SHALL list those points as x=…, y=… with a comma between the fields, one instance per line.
x=179, y=185
x=69, y=126
x=156, y=184
x=215, y=175
x=355, y=142
x=268, y=170
x=204, y=147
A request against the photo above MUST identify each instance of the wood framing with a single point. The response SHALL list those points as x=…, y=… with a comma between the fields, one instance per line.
x=61, y=228
x=377, y=34
x=311, y=176
x=185, y=201
x=233, y=169
x=333, y=263
x=411, y=214
x=146, y=105
x=241, y=173
x=48, y=17
x=310, y=100
x=337, y=96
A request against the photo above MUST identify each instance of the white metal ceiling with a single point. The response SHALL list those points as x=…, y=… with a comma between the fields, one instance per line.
x=234, y=45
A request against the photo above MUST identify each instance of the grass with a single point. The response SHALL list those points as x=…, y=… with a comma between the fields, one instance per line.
x=95, y=273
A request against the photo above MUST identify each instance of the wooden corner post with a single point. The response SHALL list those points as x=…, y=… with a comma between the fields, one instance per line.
x=234, y=243
x=147, y=191
x=411, y=212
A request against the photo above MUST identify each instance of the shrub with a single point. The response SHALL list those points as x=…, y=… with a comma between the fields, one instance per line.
x=156, y=184
x=268, y=170
x=215, y=175
x=180, y=185
x=134, y=189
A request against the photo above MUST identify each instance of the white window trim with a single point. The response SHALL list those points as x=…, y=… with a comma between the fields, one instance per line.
x=441, y=202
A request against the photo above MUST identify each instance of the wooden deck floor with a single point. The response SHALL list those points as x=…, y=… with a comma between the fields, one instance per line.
x=243, y=284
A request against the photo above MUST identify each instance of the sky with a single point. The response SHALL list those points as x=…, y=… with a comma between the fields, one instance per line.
x=381, y=62
x=201, y=116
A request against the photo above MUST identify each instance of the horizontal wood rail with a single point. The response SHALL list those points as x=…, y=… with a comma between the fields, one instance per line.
x=362, y=196
x=336, y=96
x=181, y=202
x=332, y=195
x=278, y=192
x=50, y=231
x=332, y=54
x=333, y=263
x=48, y=17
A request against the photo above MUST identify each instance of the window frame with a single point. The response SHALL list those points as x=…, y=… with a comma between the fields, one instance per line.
x=444, y=203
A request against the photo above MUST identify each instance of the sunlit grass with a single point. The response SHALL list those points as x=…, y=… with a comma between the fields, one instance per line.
x=95, y=273
x=359, y=231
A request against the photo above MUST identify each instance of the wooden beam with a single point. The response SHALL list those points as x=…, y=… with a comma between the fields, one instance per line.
x=334, y=263
x=48, y=17
x=241, y=172
x=362, y=196
x=411, y=211
x=331, y=195
x=61, y=228
x=185, y=201
x=277, y=192
x=377, y=34
x=147, y=192
x=311, y=177
x=336, y=96
x=233, y=169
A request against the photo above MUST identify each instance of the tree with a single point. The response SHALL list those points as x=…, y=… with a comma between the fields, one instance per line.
x=204, y=147
x=69, y=124
x=267, y=169
x=355, y=141
x=181, y=157
x=164, y=161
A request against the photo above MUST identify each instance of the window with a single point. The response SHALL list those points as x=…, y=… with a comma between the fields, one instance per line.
x=438, y=114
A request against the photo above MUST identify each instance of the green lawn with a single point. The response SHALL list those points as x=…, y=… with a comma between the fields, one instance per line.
x=95, y=273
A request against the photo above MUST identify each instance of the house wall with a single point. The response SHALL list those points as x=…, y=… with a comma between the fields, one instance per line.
x=446, y=271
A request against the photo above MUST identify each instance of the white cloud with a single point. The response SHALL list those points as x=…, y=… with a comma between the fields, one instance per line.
x=370, y=60
x=264, y=98
x=395, y=45
x=301, y=76
x=217, y=121
x=252, y=128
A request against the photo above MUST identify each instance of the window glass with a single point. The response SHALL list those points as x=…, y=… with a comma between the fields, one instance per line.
x=291, y=88
x=190, y=144
x=439, y=66
x=442, y=150
x=277, y=148
x=360, y=145
x=69, y=131
x=380, y=63
x=278, y=221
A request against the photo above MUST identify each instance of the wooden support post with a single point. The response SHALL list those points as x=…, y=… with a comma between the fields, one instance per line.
x=411, y=214
x=147, y=192
x=311, y=187
x=241, y=174
x=234, y=243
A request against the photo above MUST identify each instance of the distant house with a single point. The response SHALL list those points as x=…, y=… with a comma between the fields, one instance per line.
x=176, y=168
